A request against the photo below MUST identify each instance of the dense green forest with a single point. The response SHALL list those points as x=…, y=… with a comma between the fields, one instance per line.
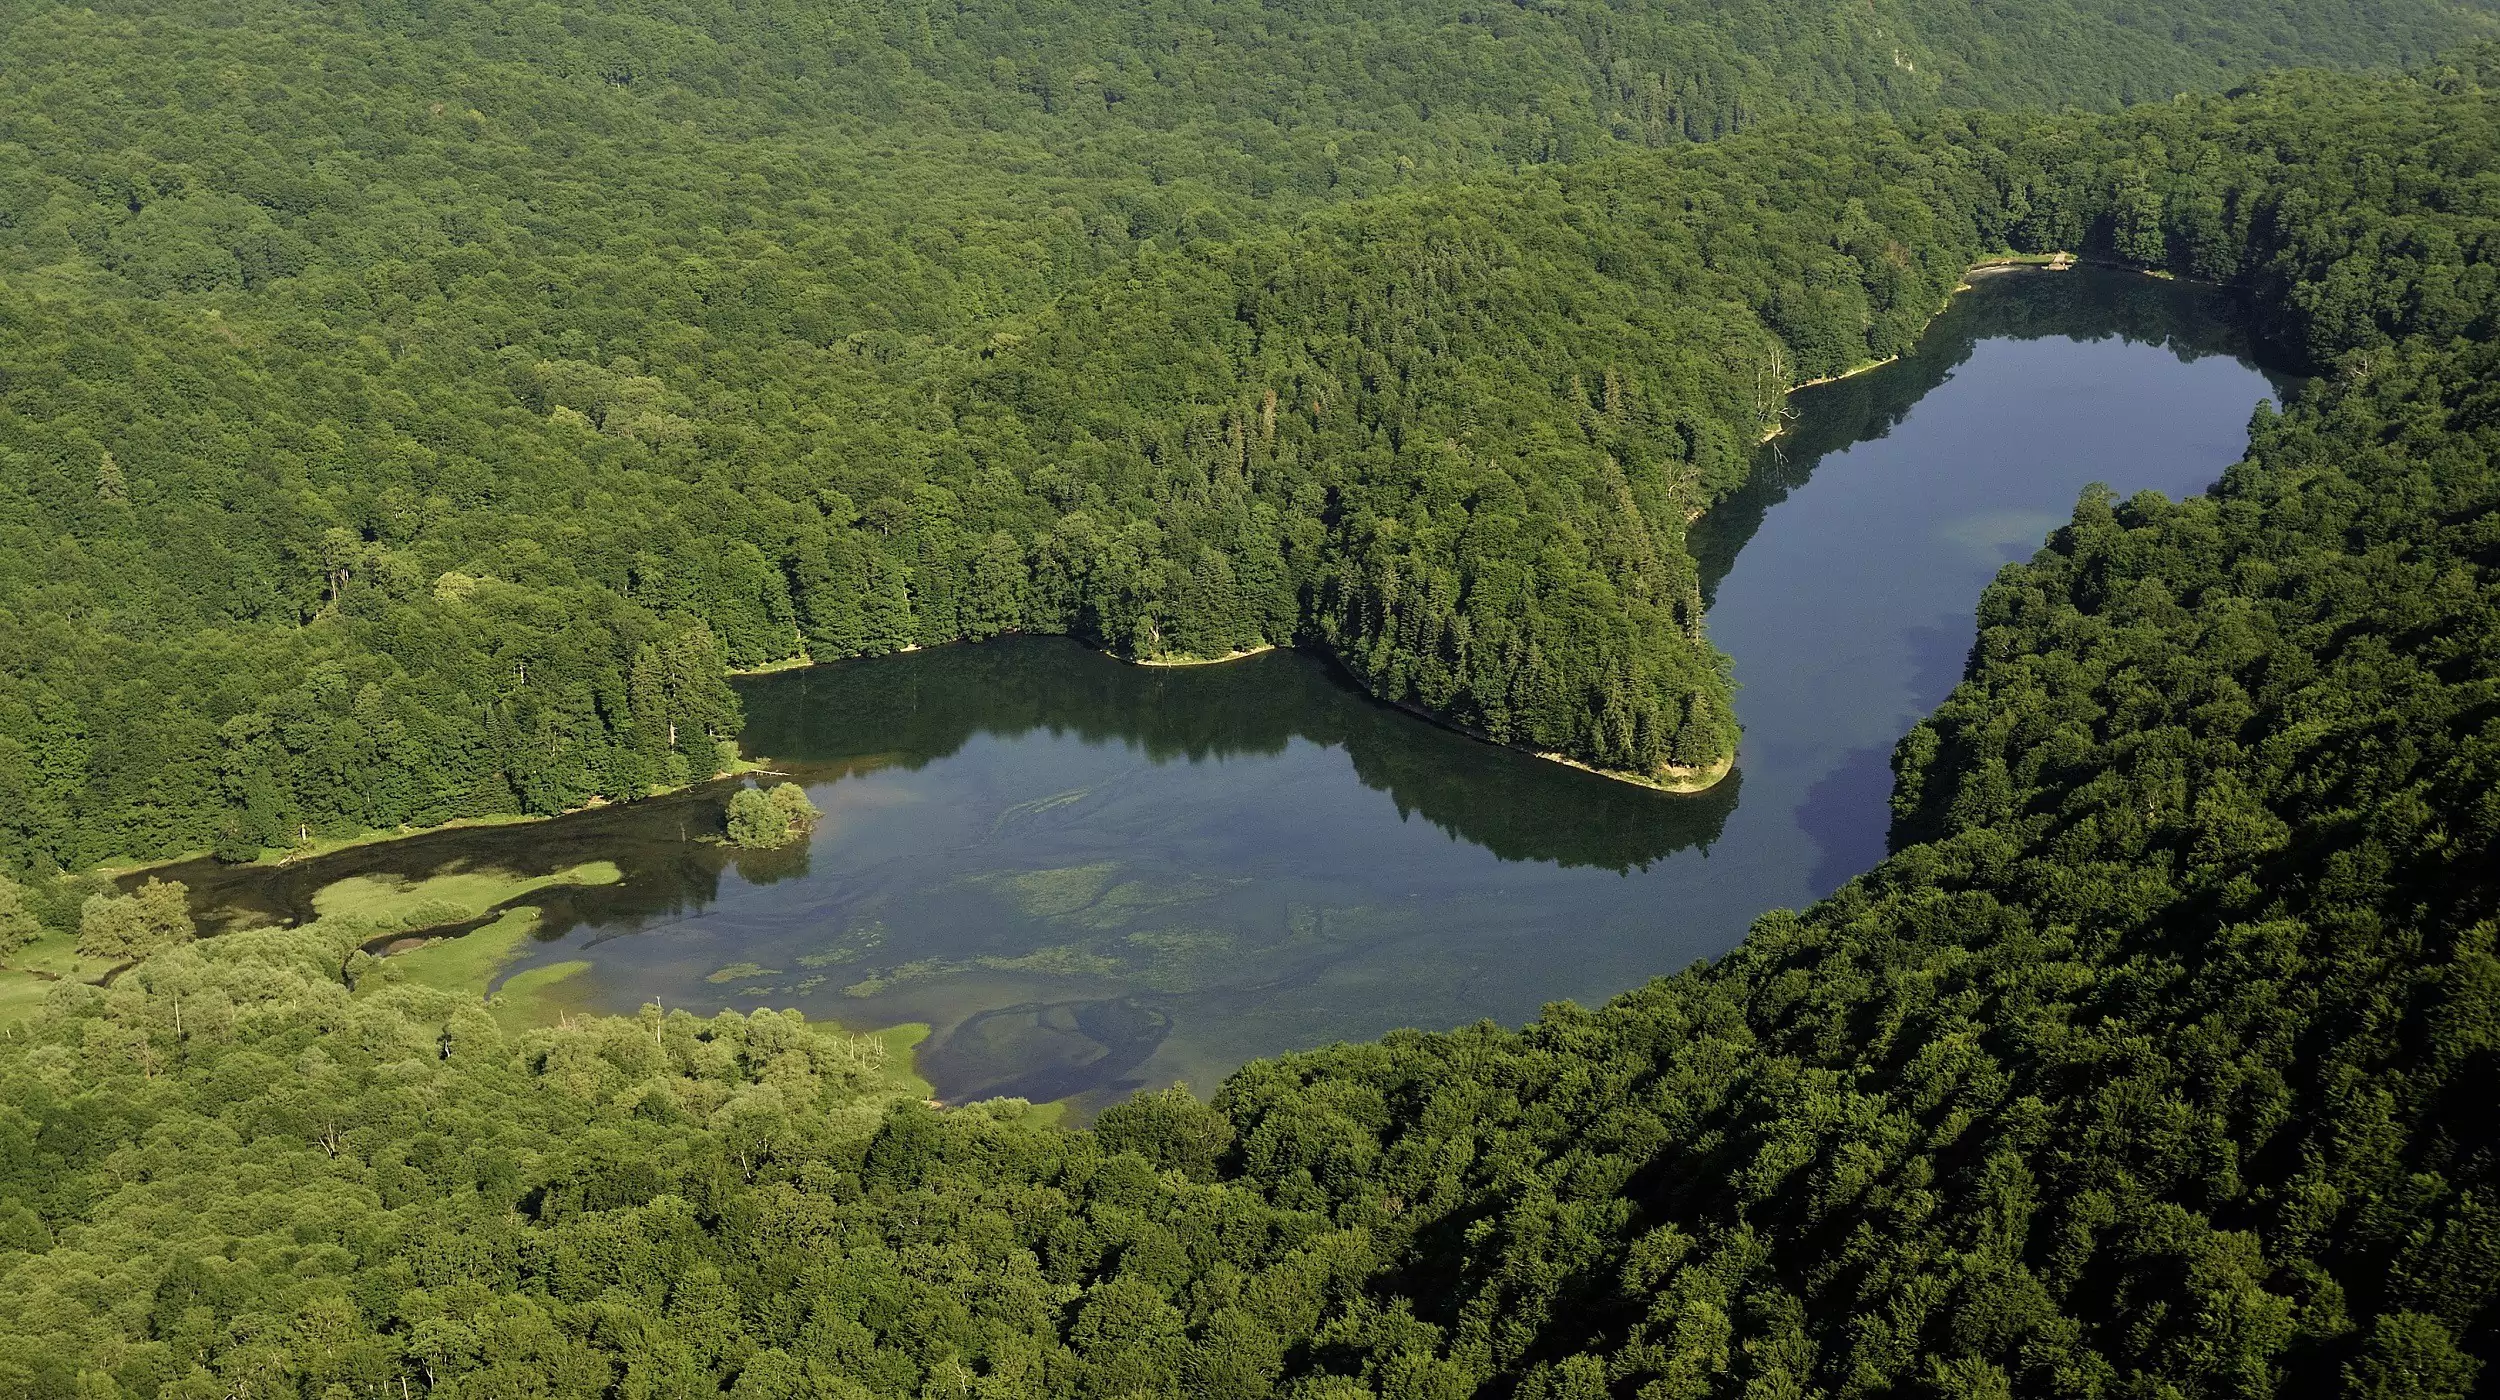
x=408, y=411
x=2157, y=1060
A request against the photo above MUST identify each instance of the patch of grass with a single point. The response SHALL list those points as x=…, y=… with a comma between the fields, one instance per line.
x=22, y=990
x=468, y=964
x=57, y=953
x=535, y=996
x=447, y=898
x=1053, y=1114
x=799, y=662
x=21, y=995
x=900, y=1043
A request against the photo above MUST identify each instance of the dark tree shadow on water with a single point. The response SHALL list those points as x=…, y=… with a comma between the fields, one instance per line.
x=2190, y=320
x=1846, y=814
x=1938, y=656
x=911, y=710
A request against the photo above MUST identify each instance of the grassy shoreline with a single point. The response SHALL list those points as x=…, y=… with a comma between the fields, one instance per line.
x=1680, y=782
x=1260, y=650
x=123, y=868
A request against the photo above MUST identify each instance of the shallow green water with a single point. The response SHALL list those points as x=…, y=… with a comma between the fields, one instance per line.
x=1090, y=877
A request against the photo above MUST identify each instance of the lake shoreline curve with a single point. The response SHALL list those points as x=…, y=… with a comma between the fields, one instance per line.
x=1985, y=267
x=1680, y=782
x=1676, y=782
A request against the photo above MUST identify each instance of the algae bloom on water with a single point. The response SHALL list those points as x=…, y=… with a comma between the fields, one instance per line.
x=761, y=818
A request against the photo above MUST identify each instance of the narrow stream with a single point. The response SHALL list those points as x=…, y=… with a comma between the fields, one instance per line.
x=1088, y=877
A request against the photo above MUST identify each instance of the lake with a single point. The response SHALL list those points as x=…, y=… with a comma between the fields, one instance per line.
x=1087, y=877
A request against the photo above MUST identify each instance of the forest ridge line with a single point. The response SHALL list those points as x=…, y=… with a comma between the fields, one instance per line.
x=410, y=416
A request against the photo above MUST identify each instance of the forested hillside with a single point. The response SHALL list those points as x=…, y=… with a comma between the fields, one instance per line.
x=2156, y=1061
x=407, y=412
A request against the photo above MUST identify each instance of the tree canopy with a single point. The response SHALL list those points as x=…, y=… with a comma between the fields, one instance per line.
x=2157, y=1059
x=415, y=411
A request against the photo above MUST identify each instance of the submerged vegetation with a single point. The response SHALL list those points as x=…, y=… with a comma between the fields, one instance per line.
x=413, y=413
